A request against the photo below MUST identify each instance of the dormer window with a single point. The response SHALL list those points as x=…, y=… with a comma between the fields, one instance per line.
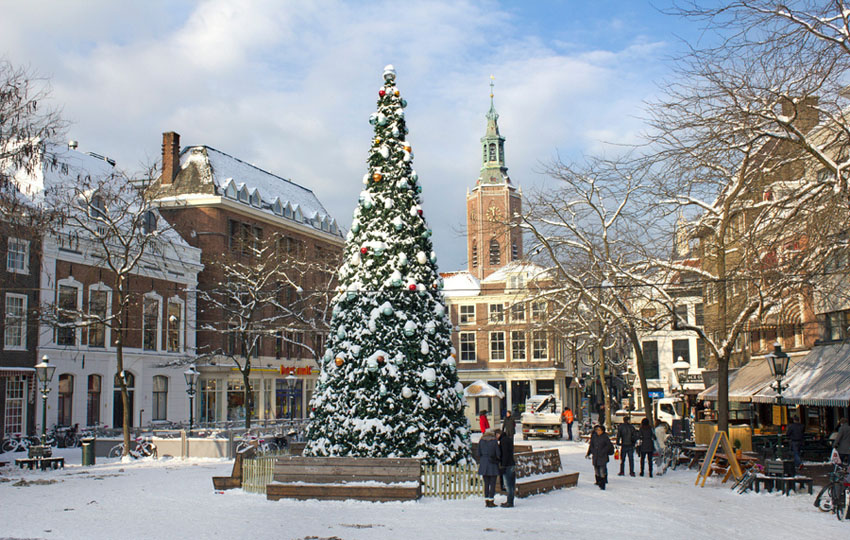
x=298, y=215
x=287, y=211
x=324, y=224
x=243, y=195
x=229, y=189
x=277, y=208
x=256, y=200
x=334, y=228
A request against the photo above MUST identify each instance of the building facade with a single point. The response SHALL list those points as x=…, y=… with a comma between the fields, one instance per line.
x=216, y=201
x=500, y=330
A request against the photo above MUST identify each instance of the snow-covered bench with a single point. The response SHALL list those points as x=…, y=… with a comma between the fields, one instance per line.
x=366, y=479
x=540, y=471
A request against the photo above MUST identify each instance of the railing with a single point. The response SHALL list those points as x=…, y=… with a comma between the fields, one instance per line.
x=256, y=473
x=451, y=481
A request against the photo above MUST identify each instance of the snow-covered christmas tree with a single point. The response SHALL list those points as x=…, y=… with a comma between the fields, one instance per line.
x=389, y=385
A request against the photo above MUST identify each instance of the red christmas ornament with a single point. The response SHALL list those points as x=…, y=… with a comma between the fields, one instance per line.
x=381, y=92
x=412, y=287
x=364, y=250
x=381, y=359
x=419, y=211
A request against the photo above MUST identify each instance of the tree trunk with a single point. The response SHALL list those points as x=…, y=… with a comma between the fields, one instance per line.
x=723, y=363
x=246, y=373
x=125, y=396
x=606, y=396
x=644, y=391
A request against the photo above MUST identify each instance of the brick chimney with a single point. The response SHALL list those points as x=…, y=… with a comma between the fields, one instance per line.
x=170, y=156
x=806, y=111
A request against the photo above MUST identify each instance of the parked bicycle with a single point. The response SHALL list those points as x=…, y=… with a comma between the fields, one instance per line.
x=143, y=448
x=18, y=442
x=833, y=496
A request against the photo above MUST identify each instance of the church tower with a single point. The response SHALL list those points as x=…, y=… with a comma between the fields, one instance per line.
x=492, y=241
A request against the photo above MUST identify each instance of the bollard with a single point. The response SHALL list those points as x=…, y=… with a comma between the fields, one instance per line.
x=88, y=452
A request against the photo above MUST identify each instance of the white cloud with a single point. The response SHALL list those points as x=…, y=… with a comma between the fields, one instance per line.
x=289, y=86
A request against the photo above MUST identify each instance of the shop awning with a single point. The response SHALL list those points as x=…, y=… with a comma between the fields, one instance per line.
x=744, y=382
x=821, y=378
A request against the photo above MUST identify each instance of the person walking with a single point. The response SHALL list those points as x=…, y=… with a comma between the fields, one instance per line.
x=661, y=436
x=507, y=467
x=600, y=448
x=796, y=433
x=489, y=458
x=601, y=421
x=568, y=420
x=509, y=425
x=842, y=441
x=646, y=446
x=483, y=423
x=626, y=439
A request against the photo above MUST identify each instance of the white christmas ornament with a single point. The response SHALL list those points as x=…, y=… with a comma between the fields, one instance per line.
x=402, y=259
x=406, y=392
x=424, y=401
x=429, y=375
x=355, y=259
x=409, y=328
x=366, y=179
x=372, y=364
x=384, y=151
x=389, y=72
x=421, y=258
x=388, y=203
x=424, y=348
x=387, y=309
x=414, y=210
x=397, y=223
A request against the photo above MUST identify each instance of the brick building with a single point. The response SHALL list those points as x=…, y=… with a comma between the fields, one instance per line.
x=216, y=201
x=500, y=331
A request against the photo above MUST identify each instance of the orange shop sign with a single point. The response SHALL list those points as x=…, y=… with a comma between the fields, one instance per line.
x=285, y=370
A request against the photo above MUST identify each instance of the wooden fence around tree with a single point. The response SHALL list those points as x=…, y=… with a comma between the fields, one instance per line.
x=256, y=473
x=451, y=481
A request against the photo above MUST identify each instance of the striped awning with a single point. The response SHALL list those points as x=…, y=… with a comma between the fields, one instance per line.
x=821, y=378
x=744, y=382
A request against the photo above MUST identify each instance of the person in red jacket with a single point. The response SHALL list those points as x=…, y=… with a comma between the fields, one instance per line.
x=483, y=422
x=568, y=418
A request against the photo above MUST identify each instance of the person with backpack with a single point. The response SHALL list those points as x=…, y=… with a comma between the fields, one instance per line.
x=600, y=448
x=626, y=439
x=647, y=445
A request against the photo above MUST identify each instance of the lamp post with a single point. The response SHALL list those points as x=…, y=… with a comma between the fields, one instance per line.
x=191, y=376
x=778, y=361
x=44, y=371
x=680, y=369
x=290, y=384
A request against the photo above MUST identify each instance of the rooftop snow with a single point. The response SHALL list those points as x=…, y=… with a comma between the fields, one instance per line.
x=460, y=284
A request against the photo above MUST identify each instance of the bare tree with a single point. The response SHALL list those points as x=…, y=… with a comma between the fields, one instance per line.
x=267, y=288
x=108, y=218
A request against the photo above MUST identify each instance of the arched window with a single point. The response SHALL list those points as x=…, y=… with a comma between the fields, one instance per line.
x=66, y=398
x=474, y=254
x=160, y=398
x=492, y=152
x=93, y=401
x=495, y=253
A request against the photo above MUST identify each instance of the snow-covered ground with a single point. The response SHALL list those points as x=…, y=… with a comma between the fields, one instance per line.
x=170, y=498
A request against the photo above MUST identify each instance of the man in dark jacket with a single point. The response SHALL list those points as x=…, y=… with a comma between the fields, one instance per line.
x=489, y=458
x=600, y=448
x=509, y=425
x=626, y=438
x=795, y=433
x=507, y=467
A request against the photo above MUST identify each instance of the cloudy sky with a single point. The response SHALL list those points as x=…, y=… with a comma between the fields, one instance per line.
x=289, y=85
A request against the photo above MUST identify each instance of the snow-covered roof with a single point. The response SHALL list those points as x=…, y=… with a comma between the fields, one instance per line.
x=60, y=165
x=460, y=284
x=246, y=183
x=531, y=271
x=481, y=389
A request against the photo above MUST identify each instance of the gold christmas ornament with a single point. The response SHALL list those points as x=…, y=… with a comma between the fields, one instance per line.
x=339, y=362
x=407, y=148
x=377, y=177
x=396, y=93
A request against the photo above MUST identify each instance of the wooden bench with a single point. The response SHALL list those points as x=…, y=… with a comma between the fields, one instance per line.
x=365, y=479
x=222, y=483
x=783, y=483
x=41, y=463
x=540, y=472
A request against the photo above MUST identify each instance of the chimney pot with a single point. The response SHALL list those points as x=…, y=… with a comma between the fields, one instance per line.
x=170, y=156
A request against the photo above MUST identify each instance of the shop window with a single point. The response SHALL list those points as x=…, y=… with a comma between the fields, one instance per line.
x=93, y=401
x=209, y=401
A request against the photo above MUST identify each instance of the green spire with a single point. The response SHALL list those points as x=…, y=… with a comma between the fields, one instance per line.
x=493, y=170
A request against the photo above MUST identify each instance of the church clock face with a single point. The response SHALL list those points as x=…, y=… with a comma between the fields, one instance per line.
x=493, y=214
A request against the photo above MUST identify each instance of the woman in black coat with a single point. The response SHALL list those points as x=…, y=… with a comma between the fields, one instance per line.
x=647, y=445
x=600, y=448
x=509, y=424
x=488, y=465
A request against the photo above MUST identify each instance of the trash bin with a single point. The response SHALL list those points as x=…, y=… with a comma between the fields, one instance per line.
x=88, y=451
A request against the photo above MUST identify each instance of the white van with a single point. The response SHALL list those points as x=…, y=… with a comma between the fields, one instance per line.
x=664, y=409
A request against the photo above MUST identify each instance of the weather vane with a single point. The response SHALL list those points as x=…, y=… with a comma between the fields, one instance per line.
x=492, y=78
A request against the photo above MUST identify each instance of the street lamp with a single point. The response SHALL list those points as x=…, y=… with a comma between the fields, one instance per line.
x=44, y=371
x=290, y=384
x=778, y=361
x=191, y=376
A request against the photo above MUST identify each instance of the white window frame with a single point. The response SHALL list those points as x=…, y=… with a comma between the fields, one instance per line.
x=534, y=340
x=154, y=411
x=496, y=313
x=524, y=345
x=513, y=310
x=474, y=347
x=70, y=282
x=107, y=336
x=535, y=316
x=22, y=342
x=181, y=333
x=490, y=346
x=14, y=386
x=19, y=243
x=461, y=314
x=158, y=298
